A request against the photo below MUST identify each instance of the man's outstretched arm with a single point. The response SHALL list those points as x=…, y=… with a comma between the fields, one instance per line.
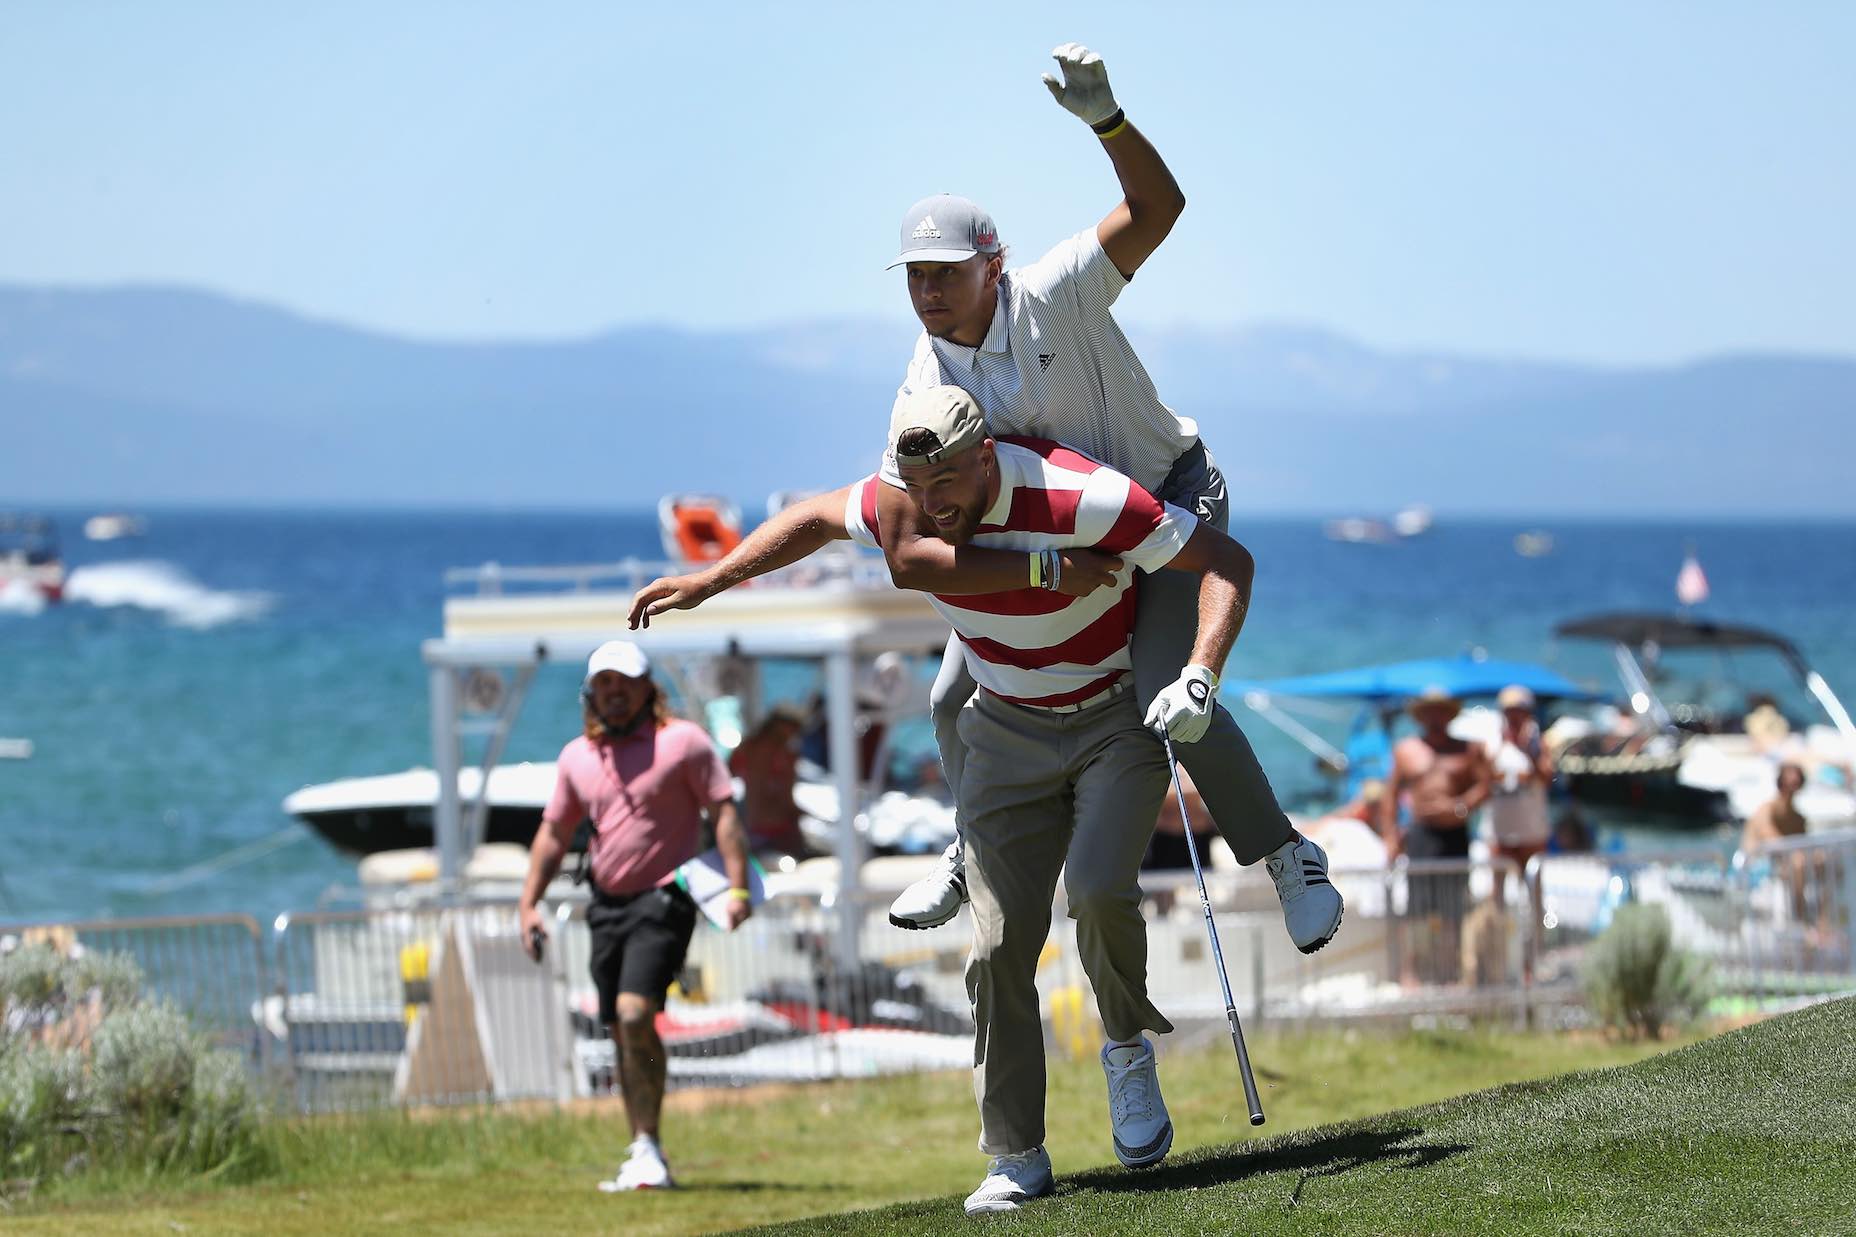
x=795, y=533
x=918, y=559
x=1151, y=199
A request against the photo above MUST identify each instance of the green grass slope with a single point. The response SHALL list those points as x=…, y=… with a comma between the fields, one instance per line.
x=1750, y=1132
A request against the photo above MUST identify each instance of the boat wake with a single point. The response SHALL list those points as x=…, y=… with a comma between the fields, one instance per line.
x=162, y=587
x=21, y=597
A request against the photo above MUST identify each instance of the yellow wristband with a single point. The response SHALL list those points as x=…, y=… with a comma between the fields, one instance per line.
x=1117, y=131
x=1037, y=571
x=742, y=894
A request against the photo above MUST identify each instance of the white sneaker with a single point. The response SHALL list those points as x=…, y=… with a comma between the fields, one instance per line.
x=936, y=897
x=1136, y=1112
x=1011, y=1182
x=1311, y=906
x=644, y=1169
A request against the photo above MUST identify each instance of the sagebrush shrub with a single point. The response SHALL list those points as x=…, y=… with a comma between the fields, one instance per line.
x=1637, y=981
x=142, y=1059
x=93, y=1073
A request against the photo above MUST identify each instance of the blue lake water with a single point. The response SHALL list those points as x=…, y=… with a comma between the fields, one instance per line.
x=200, y=674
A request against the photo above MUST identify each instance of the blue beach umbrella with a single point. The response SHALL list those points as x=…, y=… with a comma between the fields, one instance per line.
x=1460, y=676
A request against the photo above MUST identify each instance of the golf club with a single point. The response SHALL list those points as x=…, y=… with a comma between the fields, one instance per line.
x=1224, y=981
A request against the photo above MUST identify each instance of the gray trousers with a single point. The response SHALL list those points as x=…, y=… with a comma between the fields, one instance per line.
x=1222, y=764
x=1044, y=791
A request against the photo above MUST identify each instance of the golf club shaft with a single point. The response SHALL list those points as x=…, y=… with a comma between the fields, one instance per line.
x=1205, y=903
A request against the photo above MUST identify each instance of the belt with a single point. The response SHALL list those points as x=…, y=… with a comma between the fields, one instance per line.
x=1114, y=689
x=602, y=898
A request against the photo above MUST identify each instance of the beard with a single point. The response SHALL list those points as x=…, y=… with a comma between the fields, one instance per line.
x=960, y=533
x=619, y=724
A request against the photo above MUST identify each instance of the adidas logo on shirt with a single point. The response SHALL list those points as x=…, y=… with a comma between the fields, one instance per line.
x=926, y=230
x=1044, y=359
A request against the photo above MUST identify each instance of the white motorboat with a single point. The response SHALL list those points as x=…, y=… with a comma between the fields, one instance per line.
x=31, y=569
x=1534, y=543
x=365, y=815
x=1689, y=758
x=1359, y=530
x=114, y=526
x=393, y=811
x=1413, y=521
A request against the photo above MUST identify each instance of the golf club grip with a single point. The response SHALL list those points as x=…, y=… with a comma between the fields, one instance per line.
x=1211, y=927
x=1243, y=1068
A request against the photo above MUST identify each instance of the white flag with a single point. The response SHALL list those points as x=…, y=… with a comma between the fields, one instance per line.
x=1691, y=582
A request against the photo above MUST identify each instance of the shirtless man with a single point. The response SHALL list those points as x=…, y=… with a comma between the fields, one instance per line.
x=767, y=762
x=1447, y=779
x=1780, y=818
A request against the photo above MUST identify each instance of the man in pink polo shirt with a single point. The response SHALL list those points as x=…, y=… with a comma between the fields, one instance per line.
x=647, y=780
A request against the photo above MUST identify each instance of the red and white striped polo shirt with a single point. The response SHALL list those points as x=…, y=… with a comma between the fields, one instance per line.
x=1030, y=646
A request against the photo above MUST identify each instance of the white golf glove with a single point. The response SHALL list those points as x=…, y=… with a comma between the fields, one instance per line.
x=1184, y=708
x=1084, y=91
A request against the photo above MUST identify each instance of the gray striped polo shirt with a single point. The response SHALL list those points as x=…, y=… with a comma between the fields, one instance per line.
x=1054, y=364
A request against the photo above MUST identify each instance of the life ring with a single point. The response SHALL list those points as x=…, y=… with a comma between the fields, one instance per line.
x=703, y=534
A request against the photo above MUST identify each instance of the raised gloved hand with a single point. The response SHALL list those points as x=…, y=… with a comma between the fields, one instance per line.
x=1183, y=709
x=1084, y=91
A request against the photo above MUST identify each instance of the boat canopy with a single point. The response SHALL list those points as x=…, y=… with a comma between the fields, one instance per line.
x=1671, y=631
x=1460, y=676
x=28, y=529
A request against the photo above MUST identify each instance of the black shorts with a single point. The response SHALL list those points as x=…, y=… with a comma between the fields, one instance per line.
x=639, y=943
x=1437, y=893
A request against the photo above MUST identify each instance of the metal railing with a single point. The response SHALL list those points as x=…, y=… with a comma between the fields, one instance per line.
x=1420, y=939
x=1577, y=895
x=209, y=966
x=1798, y=896
x=441, y=1005
x=840, y=561
x=772, y=1001
x=426, y=1005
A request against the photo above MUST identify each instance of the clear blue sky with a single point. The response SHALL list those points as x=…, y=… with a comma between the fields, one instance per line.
x=1619, y=182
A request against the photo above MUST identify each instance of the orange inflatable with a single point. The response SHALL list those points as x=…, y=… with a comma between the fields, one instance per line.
x=703, y=534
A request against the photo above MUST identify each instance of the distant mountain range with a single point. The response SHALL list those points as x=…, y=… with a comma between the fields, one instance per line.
x=138, y=396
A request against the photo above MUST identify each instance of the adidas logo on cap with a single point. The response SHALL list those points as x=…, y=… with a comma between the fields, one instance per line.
x=926, y=230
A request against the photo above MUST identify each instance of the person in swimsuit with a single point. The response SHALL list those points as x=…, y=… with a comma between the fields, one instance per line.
x=1445, y=780
x=1779, y=818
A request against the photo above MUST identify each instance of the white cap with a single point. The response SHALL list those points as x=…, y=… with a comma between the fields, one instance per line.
x=620, y=655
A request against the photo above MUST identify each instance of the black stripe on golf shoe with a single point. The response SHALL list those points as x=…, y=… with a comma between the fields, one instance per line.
x=1152, y=1153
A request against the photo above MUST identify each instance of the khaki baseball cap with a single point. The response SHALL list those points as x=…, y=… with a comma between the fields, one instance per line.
x=1515, y=696
x=951, y=416
x=1434, y=697
x=944, y=228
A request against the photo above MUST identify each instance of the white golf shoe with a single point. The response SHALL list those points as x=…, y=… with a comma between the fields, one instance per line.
x=1311, y=906
x=644, y=1169
x=1011, y=1182
x=1143, y=1129
x=936, y=897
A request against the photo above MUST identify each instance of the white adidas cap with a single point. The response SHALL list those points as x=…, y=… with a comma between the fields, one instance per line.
x=620, y=655
x=945, y=228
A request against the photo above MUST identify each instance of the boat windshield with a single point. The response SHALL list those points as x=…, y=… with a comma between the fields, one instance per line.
x=1707, y=690
x=30, y=537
